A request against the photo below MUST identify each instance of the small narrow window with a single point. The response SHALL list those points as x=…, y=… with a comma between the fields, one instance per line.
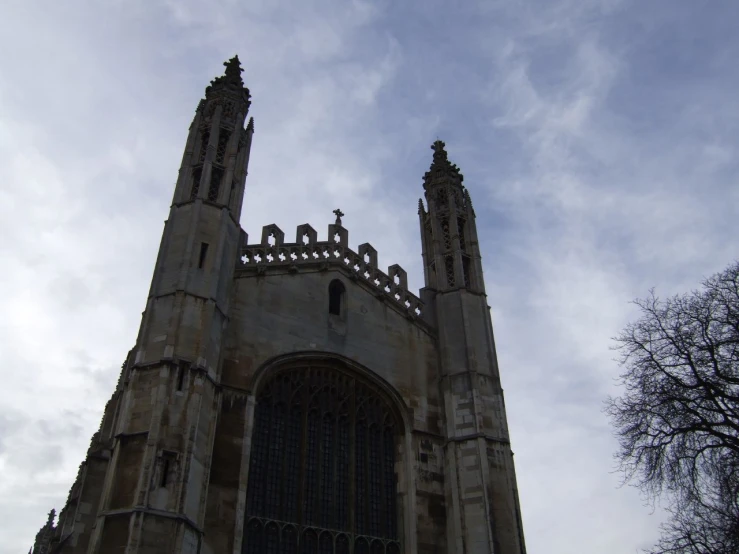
x=180, y=376
x=203, y=254
x=167, y=467
x=165, y=472
x=335, y=297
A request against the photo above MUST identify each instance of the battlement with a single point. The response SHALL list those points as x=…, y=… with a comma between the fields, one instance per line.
x=307, y=250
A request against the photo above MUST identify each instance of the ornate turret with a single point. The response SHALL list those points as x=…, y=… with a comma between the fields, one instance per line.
x=449, y=237
x=442, y=171
x=483, y=518
x=216, y=159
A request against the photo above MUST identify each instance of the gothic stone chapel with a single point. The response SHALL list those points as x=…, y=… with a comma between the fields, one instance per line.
x=291, y=397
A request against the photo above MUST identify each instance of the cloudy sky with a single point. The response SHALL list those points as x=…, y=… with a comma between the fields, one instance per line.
x=598, y=140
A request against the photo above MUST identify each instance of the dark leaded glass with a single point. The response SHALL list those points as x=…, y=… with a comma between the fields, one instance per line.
x=258, y=465
x=309, y=542
x=274, y=466
x=374, y=495
x=292, y=468
x=328, y=453
x=360, y=480
x=272, y=539
x=326, y=543
x=253, y=536
x=289, y=540
x=361, y=546
x=342, y=476
x=311, y=470
x=314, y=428
x=342, y=544
x=391, y=523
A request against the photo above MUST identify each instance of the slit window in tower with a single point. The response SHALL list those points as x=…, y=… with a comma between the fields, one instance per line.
x=203, y=254
x=181, y=376
x=196, y=174
x=336, y=292
x=216, y=174
x=165, y=472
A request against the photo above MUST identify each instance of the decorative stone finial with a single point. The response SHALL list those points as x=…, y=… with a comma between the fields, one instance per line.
x=339, y=214
x=441, y=168
x=230, y=81
x=233, y=71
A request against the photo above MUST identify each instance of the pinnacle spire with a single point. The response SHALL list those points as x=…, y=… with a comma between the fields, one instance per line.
x=441, y=168
x=230, y=81
x=233, y=71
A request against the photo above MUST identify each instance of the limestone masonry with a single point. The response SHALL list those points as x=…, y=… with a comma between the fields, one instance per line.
x=287, y=397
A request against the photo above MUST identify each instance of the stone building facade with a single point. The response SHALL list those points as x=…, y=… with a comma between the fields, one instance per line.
x=293, y=397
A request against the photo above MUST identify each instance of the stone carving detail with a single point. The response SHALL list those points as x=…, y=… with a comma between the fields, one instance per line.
x=363, y=265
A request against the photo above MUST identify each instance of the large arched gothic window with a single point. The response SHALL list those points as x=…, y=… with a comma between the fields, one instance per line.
x=322, y=471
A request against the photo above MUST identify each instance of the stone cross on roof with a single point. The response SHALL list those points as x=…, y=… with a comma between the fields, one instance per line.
x=339, y=214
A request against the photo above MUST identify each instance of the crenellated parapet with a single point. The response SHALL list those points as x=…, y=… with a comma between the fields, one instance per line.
x=308, y=252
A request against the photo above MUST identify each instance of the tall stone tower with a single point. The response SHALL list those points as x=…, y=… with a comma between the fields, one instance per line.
x=287, y=397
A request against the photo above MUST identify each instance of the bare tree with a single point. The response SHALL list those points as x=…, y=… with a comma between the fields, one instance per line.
x=678, y=419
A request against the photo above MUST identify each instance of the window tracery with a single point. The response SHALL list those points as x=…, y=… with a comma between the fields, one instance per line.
x=460, y=231
x=449, y=263
x=223, y=137
x=442, y=198
x=204, y=140
x=315, y=428
x=446, y=234
x=216, y=175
